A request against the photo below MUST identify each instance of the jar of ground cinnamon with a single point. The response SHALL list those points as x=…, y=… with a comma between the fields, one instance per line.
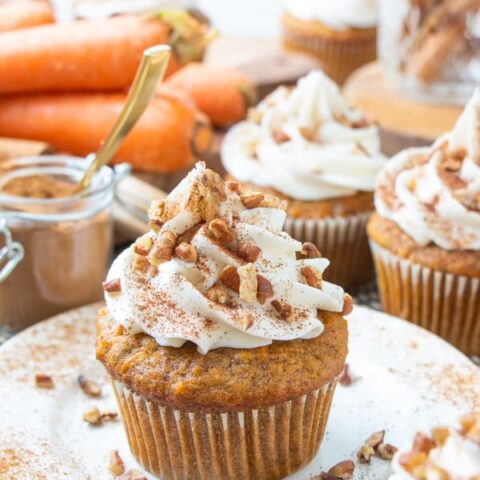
x=55, y=244
x=431, y=49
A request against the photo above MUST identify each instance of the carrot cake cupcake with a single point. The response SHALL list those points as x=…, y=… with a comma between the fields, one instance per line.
x=445, y=454
x=342, y=34
x=307, y=146
x=426, y=235
x=223, y=342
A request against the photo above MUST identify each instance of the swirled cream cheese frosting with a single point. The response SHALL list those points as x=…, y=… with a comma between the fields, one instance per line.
x=433, y=193
x=218, y=271
x=306, y=143
x=447, y=454
x=338, y=15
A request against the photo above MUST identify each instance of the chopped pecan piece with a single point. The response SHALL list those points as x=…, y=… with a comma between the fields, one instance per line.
x=452, y=164
x=214, y=183
x=411, y=460
x=155, y=225
x=142, y=265
x=307, y=133
x=270, y=201
x=230, y=278
x=346, y=378
x=264, y=289
x=115, y=463
x=284, y=311
x=309, y=250
x=245, y=320
x=385, y=451
x=365, y=454
x=422, y=443
x=248, y=252
x=252, y=200
x=89, y=387
x=367, y=451
x=347, y=304
x=162, y=250
x=232, y=186
x=343, y=470
x=248, y=282
x=470, y=426
x=44, y=381
x=360, y=123
x=280, y=137
x=93, y=416
x=143, y=245
x=440, y=435
x=186, y=252
x=220, y=231
x=218, y=294
x=312, y=276
x=112, y=286
x=157, y=210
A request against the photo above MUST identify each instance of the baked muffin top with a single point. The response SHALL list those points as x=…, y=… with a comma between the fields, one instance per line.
x=225, y=379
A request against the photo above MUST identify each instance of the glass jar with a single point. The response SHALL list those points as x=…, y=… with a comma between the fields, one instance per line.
x=54, y=251
x=430, y=49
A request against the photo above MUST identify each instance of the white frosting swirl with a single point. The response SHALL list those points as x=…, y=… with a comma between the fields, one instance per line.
x=338, y=14
x=459, y=457
x=172, y=307
x=433, y=193
x=331, y=160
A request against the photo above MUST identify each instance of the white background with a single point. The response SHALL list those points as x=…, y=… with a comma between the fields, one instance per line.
x=244, y=17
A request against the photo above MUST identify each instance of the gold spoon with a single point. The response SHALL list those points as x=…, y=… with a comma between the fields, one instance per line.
x=150, y=72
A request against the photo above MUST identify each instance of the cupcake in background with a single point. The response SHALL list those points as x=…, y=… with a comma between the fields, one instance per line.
x=223, y=343
x=307, y=146
x=445, y=454
x=425, y=236
x=342, y=34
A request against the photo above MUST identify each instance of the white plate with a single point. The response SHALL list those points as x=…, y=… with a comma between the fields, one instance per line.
x=409, y=379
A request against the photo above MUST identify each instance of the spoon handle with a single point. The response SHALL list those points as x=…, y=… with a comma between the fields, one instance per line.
x=150, y=72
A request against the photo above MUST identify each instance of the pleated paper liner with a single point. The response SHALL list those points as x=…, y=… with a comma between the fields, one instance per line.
x=343, y=241
x=443, y=303
x=268, y=443
x=339, y=56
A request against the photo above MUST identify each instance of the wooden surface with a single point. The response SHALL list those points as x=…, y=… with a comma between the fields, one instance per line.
x=404, y=122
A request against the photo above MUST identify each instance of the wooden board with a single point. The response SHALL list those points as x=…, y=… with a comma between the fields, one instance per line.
x=404, y=122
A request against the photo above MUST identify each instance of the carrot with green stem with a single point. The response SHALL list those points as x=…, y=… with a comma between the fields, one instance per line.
x=18, y=14
x=223, y=94
x=97, y=55
x=169, y=136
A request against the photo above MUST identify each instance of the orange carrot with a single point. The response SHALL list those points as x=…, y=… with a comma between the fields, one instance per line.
x=223, y=94
x=166, y=138
x=86, y=55
x=23, y=14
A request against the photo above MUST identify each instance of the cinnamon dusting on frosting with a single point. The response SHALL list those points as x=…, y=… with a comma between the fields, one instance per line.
x=433, y=193
x=224, y=272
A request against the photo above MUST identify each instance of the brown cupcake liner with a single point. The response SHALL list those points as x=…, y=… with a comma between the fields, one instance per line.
x=257, y=444
x=338, y=57
x=443, y=303
x=343, y=240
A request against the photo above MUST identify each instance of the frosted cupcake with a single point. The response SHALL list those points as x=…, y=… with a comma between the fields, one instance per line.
x=223, y=342
x=445, y=454
x=341, y=34
x=309, y=147
x=426, y=234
